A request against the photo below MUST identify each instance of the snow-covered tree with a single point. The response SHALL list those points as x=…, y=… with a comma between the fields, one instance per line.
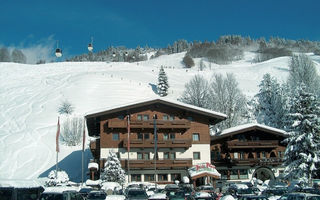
x=272, y=102
x=18, y=57
x=196, y=92
x=4, y=55
x=302, y=154
x=65, y=108
x=72, y=130
x=226, y=97
x=112, y=170
x=54, y=179
x=163, y=84
x=303, y=71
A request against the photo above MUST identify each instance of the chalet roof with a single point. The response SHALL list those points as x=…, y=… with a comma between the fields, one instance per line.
x=162, y=100
x=249, y=127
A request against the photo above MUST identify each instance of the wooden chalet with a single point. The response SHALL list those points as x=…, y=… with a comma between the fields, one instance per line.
x=183, y=138
x=247, y=151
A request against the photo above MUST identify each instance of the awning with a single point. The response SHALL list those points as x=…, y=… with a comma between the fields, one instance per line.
x=203, y=169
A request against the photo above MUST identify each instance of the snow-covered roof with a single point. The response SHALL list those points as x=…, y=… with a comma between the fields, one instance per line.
x=248, y=127
x=163, y=100
x=93, y=183
x=19, y=183
x=93, y=165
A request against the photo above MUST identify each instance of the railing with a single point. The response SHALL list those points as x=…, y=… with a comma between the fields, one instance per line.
x=178, y=124
x=177, y=143
x=250, y=161
x=253, y=144
x=162, y=163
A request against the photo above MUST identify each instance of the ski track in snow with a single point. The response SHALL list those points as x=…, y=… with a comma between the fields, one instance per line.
x=31, y=94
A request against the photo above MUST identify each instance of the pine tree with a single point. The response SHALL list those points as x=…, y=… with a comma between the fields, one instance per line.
x=112, y=170
x=163, y=84
x=302, y=154
x=272, y=102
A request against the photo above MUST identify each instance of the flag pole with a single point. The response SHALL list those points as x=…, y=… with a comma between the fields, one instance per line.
x=83, y=143
x=155, y=148
x=57, y=145
x=128, y=118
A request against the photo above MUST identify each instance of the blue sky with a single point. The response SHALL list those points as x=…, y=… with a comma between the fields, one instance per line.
x=157, y=23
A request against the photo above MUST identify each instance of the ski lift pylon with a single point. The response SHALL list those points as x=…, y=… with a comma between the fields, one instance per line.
x=90, y=45
x=58, y=51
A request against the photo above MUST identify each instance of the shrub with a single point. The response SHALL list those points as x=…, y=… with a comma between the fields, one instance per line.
x=188, y=61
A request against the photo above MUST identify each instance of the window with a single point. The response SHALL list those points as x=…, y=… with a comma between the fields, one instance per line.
x=149, y=177
x=263, y=154
x=139, y=155
x=190, y=118
x=169, y=155
x=235, y=155
x=243, y=173
x=140, y=136
x=175, y=177
x=163, y=177
x=135, y=177
x=172, y=136
x=139, y=117
x=171, y=118
x=146, y=136
x=165, y=117
x=145, y=117
x=115, y=136
x=121, y=117
x=172, y=155
x=143, y=156
x=195, y=137
x=196, y=155
x=242, y=156
x=165, y=136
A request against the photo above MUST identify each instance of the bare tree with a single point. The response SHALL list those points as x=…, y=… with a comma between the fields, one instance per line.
x=197, y=92
x=72, y=130
x=227, y=98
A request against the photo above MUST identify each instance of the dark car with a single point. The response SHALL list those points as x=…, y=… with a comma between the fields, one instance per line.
x=16, y=193
x=253, y=197
x=207, y=188
x=274, y=192
x=177, y=195
x=85, y=191
x=136, y=194
x=96, y=195
x=60, y=195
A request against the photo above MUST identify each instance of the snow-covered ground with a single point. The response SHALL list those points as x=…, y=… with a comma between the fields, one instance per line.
x=30, y=96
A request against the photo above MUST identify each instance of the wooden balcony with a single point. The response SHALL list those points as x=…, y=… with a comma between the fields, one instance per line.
x=160, y=164
x=253, y=144
x=177, y=143
x=249, y=162
x=161, y=124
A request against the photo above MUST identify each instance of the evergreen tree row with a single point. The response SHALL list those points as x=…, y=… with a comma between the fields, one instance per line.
x=15, y=55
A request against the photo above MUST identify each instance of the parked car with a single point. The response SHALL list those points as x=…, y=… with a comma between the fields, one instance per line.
x=207, y=188
x=115, y=197
x=17, y=193
x=177, y=195
x=136, y=194
x=85, y=191
x=301, y=196
x=275, y=193
x=60, y=193
x=253, y=197
x=203, y=196
x=96, y=195
x=158, y=196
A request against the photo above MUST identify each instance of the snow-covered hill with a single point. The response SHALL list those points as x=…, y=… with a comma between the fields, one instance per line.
x=31, y=94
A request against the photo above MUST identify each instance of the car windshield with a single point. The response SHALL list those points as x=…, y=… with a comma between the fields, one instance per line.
x=137, y=194
x=245, y=191
x=97, y=195
x=49, y=196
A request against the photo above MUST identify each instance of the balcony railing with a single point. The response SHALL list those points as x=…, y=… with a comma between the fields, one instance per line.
x=249, y=161
x=253, y=144
x=162, y=163
x=177, y=143
x=174, y=124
